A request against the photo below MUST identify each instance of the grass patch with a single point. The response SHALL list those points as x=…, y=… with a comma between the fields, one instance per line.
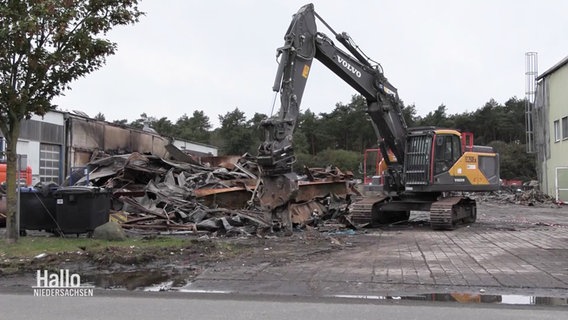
x=29, y=247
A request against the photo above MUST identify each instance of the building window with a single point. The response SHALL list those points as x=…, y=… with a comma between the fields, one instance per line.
x=556, y=130
x=564, y=128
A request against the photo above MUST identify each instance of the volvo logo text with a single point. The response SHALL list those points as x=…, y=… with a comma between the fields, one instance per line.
x=349, y=67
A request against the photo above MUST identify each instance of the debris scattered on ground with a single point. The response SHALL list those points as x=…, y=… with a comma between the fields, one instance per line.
x=40, y=256
x=530, y=197
x=218, y=195
x=214, y=195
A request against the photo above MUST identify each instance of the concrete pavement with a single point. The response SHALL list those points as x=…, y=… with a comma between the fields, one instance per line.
x=512, y=249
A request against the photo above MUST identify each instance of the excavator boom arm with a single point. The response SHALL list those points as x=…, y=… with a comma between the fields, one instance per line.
x=302, y=44
x=296, y=56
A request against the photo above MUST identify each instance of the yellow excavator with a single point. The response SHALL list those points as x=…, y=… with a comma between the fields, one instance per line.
x=428, y=169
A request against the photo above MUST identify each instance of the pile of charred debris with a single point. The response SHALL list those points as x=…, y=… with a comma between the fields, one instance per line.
x=519, y=196
x=212, y=195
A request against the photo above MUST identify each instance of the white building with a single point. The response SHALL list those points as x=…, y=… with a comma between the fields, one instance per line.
x=551, y=130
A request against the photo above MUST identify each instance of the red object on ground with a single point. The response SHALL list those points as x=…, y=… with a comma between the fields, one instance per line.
x=25, y=175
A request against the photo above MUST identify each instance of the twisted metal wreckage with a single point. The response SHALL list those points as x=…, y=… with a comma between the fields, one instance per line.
x=214, y=194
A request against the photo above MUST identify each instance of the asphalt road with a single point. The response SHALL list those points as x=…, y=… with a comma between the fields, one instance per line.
x=20, y=306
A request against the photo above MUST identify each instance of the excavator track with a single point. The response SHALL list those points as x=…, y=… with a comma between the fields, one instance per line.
x=448, y=213
x=361, y=210
x=445, y=214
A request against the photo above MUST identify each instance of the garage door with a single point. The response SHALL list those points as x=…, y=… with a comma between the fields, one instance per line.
x=49, y=162
x=562, y=184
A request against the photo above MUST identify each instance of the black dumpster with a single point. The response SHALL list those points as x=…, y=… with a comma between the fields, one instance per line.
x=81, y=209
x=37, y=209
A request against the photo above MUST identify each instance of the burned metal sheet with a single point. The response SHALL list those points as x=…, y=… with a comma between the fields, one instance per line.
x=98, y=173
x=190, y=168
x=171, y=195
x=179, y=155
x=309, y=190
x=306, y=212
x=277, y=191
x=231, y=198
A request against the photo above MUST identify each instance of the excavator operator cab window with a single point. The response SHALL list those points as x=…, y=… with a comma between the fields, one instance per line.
x=447, y=151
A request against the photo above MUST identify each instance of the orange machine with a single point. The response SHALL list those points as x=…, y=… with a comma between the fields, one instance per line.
x=371, y=160
x=25, y=175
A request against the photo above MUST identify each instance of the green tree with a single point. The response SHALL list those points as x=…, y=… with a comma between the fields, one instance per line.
x=347, y=127
x=300, y=142
x=358, y=125
x=215, y=139
x=437, y=118
x=140, y=122
x=465, y=122
x=343, y=159
x=163, y=126
x=410, y=115
x=122, y=123
x=304, y=160
x=195, y=128
x=513, y=126
x=307, y=126
x=257, y=132
x=44, y=46
x=487, y=119
x=235, y=132
x=515, y=163
x=100, y=116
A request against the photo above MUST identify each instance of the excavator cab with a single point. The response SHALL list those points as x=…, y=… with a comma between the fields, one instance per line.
x=442, y=160
x=447, y=150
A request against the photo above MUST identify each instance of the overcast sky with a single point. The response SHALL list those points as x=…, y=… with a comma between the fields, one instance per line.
x=218, y=55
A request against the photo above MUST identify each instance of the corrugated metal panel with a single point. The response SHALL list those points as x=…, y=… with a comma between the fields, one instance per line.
x=41, y=131
x=30, y=130
x=51, y=133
